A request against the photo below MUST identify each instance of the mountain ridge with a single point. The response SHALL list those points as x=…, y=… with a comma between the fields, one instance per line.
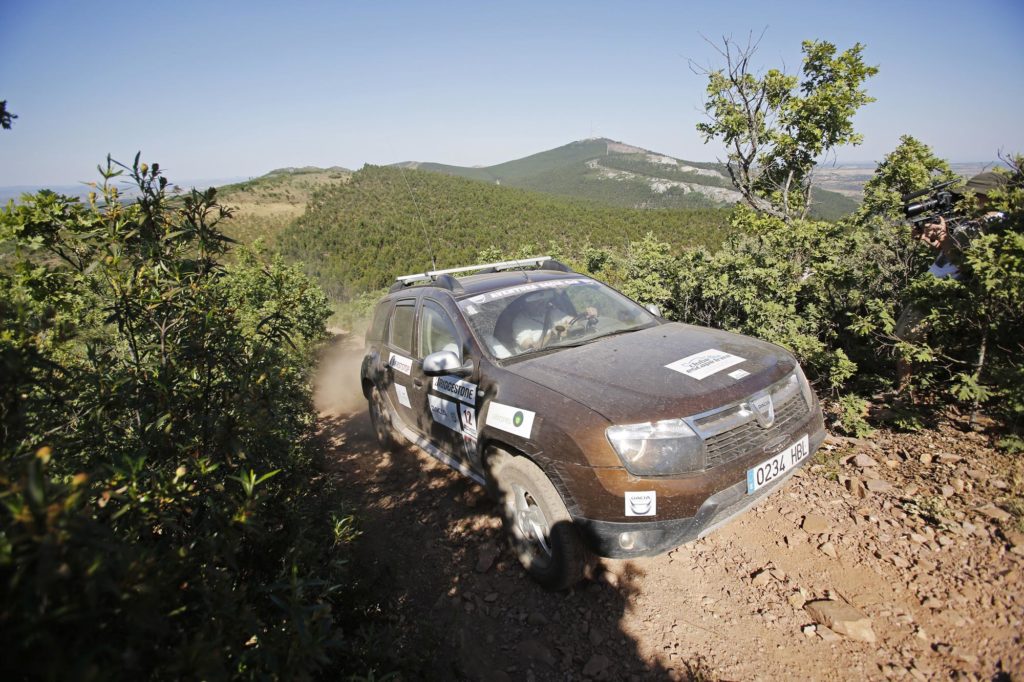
x=620, y=174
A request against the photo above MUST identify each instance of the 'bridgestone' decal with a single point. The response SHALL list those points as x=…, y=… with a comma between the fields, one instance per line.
x=524, y=288
x=456, y=388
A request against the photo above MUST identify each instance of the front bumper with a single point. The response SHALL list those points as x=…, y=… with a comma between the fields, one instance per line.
x=622, y=540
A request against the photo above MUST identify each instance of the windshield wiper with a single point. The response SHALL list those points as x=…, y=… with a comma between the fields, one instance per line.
x=575, y=344
x=583, y=342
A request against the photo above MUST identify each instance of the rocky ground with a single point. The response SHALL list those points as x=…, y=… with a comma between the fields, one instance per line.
x=888, y=557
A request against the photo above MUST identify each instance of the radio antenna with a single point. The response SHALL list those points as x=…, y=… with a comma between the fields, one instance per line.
x=419, y=213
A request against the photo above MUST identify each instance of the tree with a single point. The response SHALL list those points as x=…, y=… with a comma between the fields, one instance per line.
x=775, y=126
x=909, y=168
x=5, y=116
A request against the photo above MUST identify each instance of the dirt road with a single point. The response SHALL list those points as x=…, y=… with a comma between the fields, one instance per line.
x=923, y=554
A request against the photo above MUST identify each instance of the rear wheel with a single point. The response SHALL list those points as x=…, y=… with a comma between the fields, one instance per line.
x=541, y=531
x=381, y=419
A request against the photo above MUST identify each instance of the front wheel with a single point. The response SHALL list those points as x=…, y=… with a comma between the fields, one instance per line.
x=541, y=531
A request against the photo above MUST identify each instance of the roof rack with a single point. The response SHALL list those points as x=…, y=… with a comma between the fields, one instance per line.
x=444, y=277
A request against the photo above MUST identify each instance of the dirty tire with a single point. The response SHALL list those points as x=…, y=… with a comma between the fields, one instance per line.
x=539, y=526
x=381, y=419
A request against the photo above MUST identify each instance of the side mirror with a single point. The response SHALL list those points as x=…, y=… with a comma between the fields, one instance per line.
x=445, y=362
x=653, y=309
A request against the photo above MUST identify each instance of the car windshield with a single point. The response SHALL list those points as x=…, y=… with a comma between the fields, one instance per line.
x=535, y=316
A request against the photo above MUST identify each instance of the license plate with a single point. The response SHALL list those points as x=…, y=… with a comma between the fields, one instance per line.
x=766, y=472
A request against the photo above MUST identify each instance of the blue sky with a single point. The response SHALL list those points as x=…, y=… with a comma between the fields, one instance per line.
x=227, y=89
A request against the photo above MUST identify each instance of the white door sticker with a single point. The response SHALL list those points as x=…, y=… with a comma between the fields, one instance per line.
x=705, y=363
x=468, y=417
x=456, y=388
x=401, y=363
x=739, y=374
x=445, y=412
x=511, y=419
x=403, y=395
x=641, y=503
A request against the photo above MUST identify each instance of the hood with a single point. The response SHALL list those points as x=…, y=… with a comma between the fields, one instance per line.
x=625, y=377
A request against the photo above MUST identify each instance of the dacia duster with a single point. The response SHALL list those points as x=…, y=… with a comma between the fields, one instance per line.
x=601, y=427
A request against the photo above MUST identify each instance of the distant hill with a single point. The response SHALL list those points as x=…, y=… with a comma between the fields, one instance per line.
x=619, y=174
x=265, y=205
x=850, y=178
x=359, y=235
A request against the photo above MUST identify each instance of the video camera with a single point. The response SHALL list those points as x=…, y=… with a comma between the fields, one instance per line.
x=939, y=202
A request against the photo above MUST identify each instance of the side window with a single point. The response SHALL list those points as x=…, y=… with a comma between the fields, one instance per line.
x=401, y=326
x=380, y=318
x=437, y=331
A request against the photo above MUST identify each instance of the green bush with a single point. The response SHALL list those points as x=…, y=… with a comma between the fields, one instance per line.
x=159, y=515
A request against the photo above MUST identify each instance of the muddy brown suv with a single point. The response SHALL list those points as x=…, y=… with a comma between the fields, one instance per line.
x=602, y=428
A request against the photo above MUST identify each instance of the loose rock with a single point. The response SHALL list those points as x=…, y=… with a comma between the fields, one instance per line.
x=877, y=485
x=596, y=665
x=993, y=512
x=533, y=650
x=485, y=559
x=815, y=524
x=841, y=618
x=537, y=618
x=864, y=461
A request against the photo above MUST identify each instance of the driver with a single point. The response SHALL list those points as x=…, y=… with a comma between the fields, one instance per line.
x=528, y=328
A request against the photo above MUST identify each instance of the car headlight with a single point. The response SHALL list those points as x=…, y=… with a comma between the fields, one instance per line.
x=658, y=448
x=805, y=387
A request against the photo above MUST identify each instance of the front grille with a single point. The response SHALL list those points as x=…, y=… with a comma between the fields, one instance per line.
x=736, y=442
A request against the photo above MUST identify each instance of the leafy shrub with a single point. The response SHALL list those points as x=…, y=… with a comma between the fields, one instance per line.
x=159, y=516
x=853, y=412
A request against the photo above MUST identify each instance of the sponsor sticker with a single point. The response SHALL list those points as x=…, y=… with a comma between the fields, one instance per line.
x=512, y=419
x=467, y=415
x=641, y=503
x=403, y=395
x=739, y=374
x=456, y=388
x=471, y=309
x=705, y=363
x=524, y=288
x=444, y=412
x=401, y=363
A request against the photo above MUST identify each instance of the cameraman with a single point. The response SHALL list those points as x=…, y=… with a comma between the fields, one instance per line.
x=949, y=238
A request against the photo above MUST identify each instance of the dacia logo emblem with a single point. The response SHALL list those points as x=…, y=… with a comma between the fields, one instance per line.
x=764, y=411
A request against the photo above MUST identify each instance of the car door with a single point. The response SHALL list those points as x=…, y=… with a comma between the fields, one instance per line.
x=409, y=401
x=451, y=400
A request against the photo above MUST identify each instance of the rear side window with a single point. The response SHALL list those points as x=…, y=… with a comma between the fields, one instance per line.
x=380, y=319
x=401, y=326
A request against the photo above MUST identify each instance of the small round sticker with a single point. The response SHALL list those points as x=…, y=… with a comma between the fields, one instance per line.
x=517, y=419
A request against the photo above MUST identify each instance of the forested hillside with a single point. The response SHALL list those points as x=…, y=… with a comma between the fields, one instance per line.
x=387, y=221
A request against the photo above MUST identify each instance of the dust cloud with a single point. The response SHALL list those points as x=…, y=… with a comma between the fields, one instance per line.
x=337, y=389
